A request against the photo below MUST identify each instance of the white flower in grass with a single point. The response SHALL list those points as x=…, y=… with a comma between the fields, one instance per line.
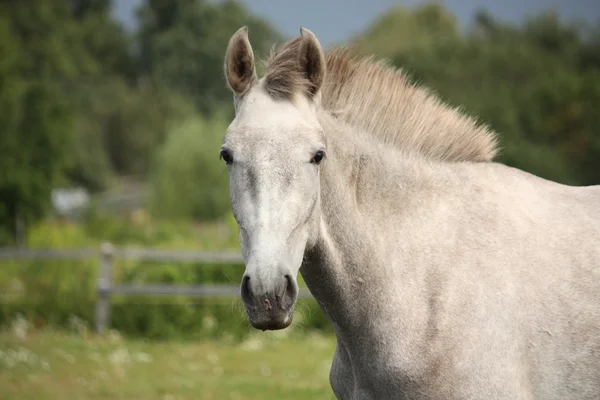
x=212, y=358
x=120, y=356
x=194, y=366
x=252, y=344
x=22, y=355
x=81, y=381
x=143, y=357
x=78, y=325
x=45, y=365
x=266, y=371
x=209, y=322
x=114, y=336
x=20, y=327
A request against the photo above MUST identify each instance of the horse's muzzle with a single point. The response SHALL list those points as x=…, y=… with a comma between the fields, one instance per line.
x=269, y=307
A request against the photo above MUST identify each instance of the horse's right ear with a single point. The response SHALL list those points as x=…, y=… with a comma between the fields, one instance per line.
x=240, y=69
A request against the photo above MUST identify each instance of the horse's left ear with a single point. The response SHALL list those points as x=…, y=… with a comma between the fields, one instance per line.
x=311, y=61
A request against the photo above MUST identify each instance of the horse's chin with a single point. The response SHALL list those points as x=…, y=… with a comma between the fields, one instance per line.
x=271, y=322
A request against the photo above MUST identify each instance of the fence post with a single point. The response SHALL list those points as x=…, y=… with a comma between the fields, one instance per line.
x=104, y=288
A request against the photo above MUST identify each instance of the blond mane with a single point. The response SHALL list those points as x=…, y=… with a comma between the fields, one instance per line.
x=379, y=99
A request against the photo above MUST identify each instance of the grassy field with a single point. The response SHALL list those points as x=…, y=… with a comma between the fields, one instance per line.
x=66, y=366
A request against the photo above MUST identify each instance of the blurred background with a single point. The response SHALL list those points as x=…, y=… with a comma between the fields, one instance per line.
x=111, y=117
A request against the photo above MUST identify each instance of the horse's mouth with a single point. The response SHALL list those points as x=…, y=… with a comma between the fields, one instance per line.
x=271, y=320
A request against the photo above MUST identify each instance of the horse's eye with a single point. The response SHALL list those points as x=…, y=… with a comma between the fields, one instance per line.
x=318, y=157
x=226, y=156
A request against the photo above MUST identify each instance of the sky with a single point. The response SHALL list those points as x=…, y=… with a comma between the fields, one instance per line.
x=335, y=21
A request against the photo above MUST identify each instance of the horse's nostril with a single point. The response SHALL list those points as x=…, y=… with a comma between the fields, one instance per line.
x=289, y=280
x=246, y=292
x=291, y=289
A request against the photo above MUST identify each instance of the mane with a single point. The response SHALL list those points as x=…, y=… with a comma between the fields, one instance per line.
x=381, y=100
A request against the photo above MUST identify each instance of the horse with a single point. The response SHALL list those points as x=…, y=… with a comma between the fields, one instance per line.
x=444, y=274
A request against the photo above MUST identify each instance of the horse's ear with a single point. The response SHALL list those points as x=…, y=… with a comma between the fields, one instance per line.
x=240, y=69
x=311, y=60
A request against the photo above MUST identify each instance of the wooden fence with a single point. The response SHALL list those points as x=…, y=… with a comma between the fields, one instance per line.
x=106, y=287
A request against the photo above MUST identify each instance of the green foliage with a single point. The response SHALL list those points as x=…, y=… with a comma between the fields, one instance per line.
x=84, y=103
x=102, y=39
x=536, y=85
x=120, y=118
x=401, y=29
x=182, y=45
x=35, y=120
x=120, y=127
x=189, y=180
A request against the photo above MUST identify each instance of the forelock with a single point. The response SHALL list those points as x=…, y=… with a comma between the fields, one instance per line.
x=283, y=79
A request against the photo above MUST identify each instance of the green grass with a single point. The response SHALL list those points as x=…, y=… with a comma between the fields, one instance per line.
x=65, y=366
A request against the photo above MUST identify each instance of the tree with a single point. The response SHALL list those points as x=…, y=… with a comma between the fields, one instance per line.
x=186, y=182
x=119, y=116
x=35, y=120
x=182, y=45
x=401, y=28
x=83, y=8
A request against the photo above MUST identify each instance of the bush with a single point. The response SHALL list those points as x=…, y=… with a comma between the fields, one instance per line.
x=189, y=181
x=51, y=293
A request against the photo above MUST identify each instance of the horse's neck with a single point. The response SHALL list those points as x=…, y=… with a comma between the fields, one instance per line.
x=344, y=270
x=331, y=267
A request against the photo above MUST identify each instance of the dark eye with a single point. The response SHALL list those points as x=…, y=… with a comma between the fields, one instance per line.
x=317, y=157
x=226, y=156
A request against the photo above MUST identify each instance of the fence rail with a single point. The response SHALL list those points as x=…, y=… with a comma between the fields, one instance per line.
x=131, y=253
x=48, y=254
x=105, y=287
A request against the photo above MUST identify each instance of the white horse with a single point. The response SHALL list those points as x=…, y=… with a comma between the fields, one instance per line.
x=445, y=275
